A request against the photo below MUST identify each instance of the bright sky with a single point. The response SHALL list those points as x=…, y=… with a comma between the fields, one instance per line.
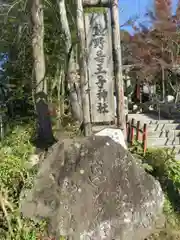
x=136, y=8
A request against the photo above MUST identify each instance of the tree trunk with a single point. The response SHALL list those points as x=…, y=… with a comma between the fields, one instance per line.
x=118, y=67
x=73, y=85
x=38, y=45
x=83, y=69
x=45, y=135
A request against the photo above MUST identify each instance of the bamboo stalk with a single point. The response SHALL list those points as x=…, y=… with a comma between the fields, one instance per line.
x=118, y=67
x=83, y=69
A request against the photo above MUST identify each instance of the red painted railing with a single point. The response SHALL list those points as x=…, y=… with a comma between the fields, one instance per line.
x=136, y=131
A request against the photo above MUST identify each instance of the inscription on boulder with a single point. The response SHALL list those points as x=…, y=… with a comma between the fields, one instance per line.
x=100, y=66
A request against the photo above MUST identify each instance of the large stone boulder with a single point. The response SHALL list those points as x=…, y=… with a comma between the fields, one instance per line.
x=93, y=189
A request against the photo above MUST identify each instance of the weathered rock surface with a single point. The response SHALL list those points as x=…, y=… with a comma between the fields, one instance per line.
x=115, y=134
x=94, y=190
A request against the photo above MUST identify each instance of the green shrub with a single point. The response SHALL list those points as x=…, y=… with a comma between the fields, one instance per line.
x=161, y=161
x=173, y=218
x=137, y=148
x=164, y=163
x=14, y=154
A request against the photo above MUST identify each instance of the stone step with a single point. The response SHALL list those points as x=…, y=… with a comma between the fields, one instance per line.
x=153, y=142
x=164, y=134
x=163, y=121
x=143, y=118
x=150, y=121
x=163, y=127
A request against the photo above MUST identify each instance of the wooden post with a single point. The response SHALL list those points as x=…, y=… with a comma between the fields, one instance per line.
x=132, y=130
x=45, y=137
x=138, y=131
x=145, y=138
x=118, y=66
x=83, y=69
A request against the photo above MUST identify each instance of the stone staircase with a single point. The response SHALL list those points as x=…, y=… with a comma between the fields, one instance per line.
x=161, y=133
x=164, y=134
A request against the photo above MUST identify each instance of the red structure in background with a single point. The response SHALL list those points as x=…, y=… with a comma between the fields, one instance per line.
x=136, y=131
